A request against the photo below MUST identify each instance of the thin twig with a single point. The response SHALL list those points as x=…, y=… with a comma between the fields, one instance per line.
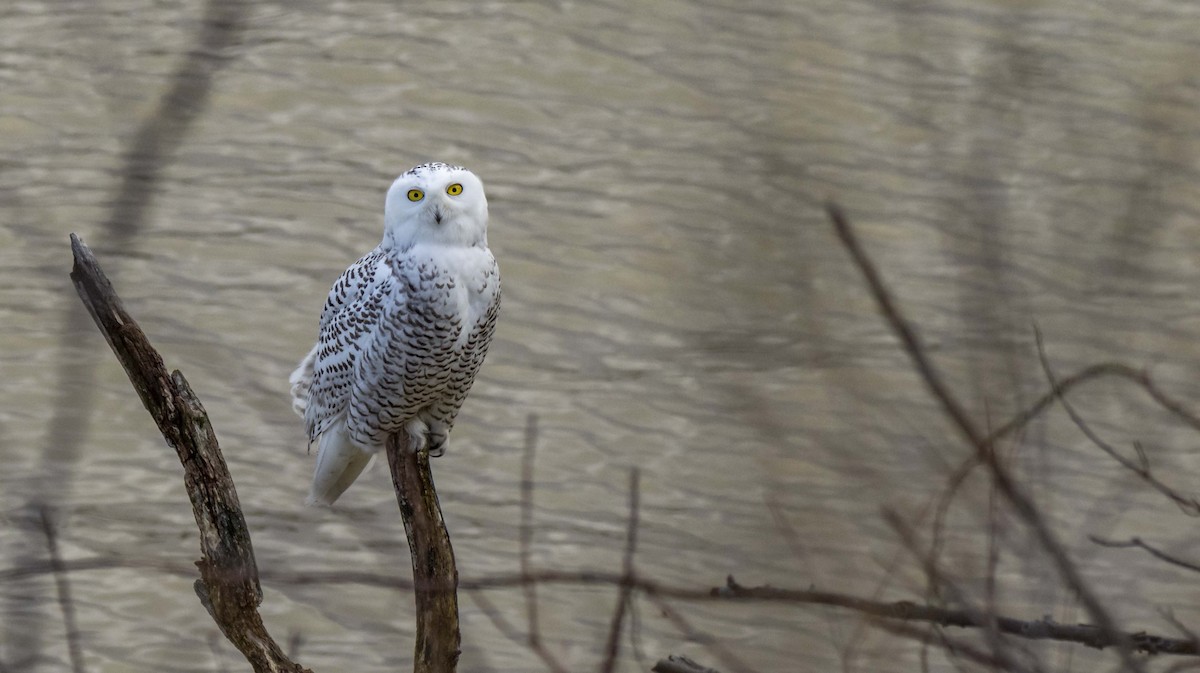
x=1138, y=542
x=677, y=664
x=984, y=619
x=993, y=558
x=1188, y=633
x=1140, y=467
x=945, y=499
x=954, y=647
x=1038, y=629
x=612, y=646
x=65, y=603
x=1120, y=370
x=785, y=527
x=1021, y=503
x=728, y=658
x=1061, y=387
x=534, y=638
x=635, y=633
x=859, y=632
x=511, y=632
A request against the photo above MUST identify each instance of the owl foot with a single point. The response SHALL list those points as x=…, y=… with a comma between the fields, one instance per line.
x=437, y=440
x=418, y=434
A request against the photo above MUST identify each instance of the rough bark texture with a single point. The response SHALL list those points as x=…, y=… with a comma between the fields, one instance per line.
x=435, y=577
x=228, y=585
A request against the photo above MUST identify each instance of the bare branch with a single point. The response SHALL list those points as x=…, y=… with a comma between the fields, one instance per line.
x=1038, y=629
x=229, y=586
x=1021, y=503
x=713, y=645
x=1061, y=387
x=1137, y=542
x=510, y=631
x=677, y=664
x=65, y=602
x=1119, y=370
x=534, y=637
x=953, y=647
x=939, y=581
x=1140, y=467
x=613, y=646
x=1188, y=633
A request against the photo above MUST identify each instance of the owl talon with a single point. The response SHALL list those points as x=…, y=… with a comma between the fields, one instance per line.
x=437, y=446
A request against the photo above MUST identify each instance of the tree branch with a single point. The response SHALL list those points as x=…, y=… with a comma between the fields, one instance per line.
x=435, y=577
x=1154, y=551
x=228, y=586
x=613, y=645
x=1141, y=467
x=732, y=591
x=954, y=410
x=678, y=664
x=65, y=602
x=1037, y=629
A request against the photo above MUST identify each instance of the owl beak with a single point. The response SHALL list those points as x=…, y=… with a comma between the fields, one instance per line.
x=437, y=215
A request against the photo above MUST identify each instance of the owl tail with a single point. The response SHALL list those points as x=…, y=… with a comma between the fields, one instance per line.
x=339, y=462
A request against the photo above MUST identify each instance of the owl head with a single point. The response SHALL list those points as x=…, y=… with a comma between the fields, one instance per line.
x=436, y=203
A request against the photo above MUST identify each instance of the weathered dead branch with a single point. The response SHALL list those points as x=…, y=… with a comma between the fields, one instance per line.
x=435, y=577
x=228, y=585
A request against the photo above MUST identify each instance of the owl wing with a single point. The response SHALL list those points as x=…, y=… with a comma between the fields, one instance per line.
x=354, y=284
x=348, y=322
x=407, y=364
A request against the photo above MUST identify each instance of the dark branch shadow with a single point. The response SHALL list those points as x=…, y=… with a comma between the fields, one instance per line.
x=149, y=152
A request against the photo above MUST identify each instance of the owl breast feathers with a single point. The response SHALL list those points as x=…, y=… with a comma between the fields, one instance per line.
x=404, y=331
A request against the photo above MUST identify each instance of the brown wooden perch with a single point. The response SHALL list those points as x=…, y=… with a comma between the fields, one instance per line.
x=228, y=586
x=435, y=577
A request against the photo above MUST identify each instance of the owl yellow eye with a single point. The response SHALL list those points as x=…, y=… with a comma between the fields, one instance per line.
x=454, y=189
x=415, y=195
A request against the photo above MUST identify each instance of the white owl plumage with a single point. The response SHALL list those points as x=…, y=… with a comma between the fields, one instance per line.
x=404, y=331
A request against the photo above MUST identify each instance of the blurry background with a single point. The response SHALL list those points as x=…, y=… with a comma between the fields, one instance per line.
x=674, y=299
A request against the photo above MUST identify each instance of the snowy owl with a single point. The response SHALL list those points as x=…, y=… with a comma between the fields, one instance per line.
x=404, y=330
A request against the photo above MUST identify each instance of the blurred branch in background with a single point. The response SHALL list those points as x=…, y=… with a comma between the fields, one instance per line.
x=150, y=150
x=1141, y=466
x=1016, y=497
x=66, y=603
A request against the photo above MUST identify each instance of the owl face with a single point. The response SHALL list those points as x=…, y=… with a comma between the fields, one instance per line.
x=436, y=203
